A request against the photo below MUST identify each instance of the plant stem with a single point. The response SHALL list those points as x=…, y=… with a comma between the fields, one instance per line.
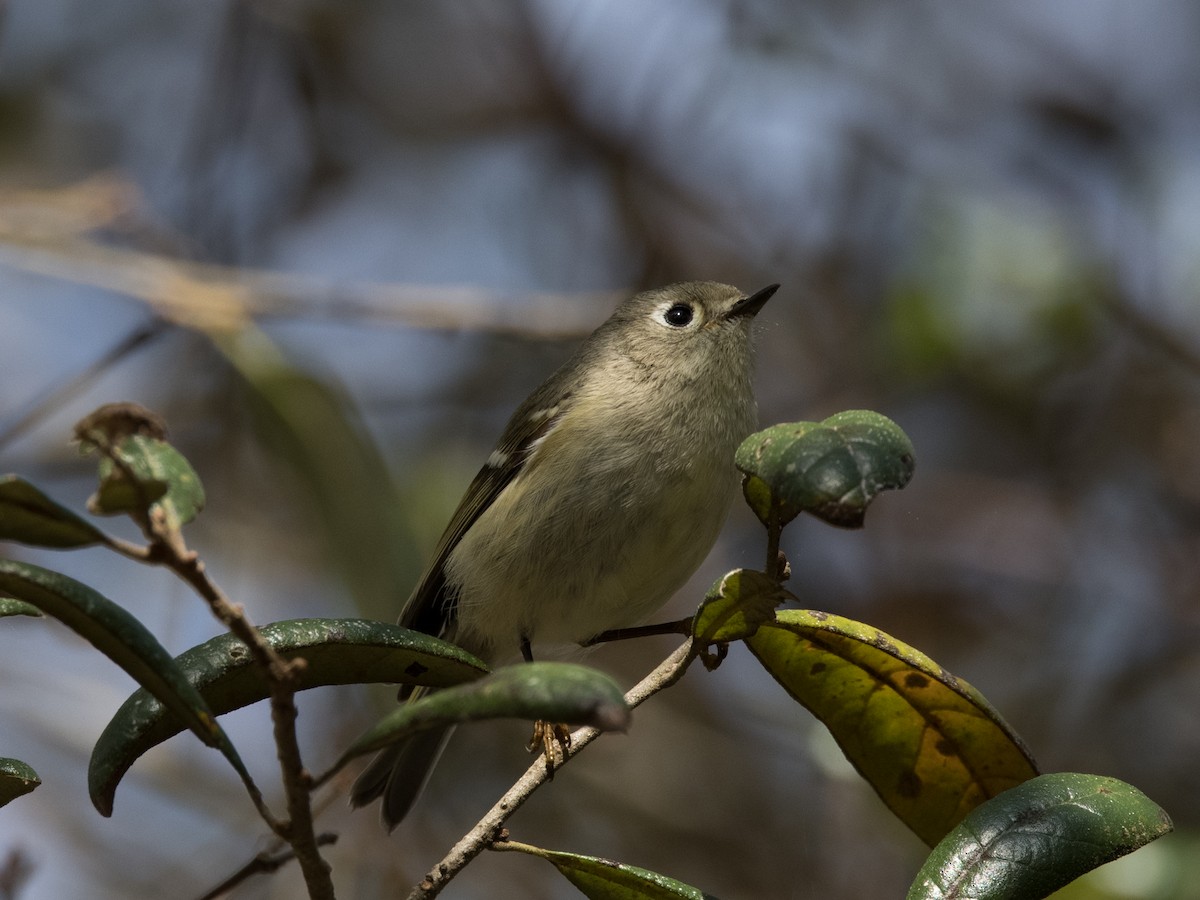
x=281, y=674
x=774, y=531
x=300, y=832
x=485, y=831
x=262, y=864
x=167, y=547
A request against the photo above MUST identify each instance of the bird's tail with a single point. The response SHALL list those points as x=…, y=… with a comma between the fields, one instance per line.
x=398, y=775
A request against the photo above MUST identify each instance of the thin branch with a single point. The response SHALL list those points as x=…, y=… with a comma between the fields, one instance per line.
x=190, y=568
x=282, y=675
x=274, y=855
x=485, y=832
x=223, y=299
x=167, y=547
x=264, y=863
x=503, y=844
x=45, y=405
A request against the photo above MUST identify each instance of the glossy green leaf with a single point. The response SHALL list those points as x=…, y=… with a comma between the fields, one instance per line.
x=335, y=651
x=10, y=606
x=602, y=879
x=547, y=691
x=1031, y=840
x=120, y=637
x=735, y=606
x=928, y=743
x=831, y=469
x=16, y=780
x=30, y=517
x=151, y=472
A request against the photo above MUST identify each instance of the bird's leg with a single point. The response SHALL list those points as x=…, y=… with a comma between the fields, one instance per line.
x=782, y=571
x=679, y=626
x=552, y=738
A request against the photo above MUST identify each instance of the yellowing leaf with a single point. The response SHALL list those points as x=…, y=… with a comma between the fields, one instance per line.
x=9, y=606
x=735, y=606
x=928, y=743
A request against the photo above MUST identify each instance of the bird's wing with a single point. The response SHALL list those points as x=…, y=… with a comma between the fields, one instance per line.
x=432, y=607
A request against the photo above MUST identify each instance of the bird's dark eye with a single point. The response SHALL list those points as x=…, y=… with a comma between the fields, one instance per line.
x=678, y=315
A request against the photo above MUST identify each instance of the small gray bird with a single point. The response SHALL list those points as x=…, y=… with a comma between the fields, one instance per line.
x=604, y=494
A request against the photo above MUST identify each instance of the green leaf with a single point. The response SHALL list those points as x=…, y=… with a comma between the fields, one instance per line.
x=735, y=606
x=602, y=879
x=546, y=691
x=16, y=780
x=10, y=606
x=129, y=488
x=29, y=516
x=335, y=651
x=831, y=469
x=150, y=472
x=1030, y=841
x=928, y=743
x=120, y=637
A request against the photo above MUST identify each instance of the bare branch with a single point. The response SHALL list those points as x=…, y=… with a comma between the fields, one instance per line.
x=262, y=864
x=167, y=546
x=486, y=831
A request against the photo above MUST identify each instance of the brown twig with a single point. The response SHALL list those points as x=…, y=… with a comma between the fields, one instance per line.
x=282, y=676
x=262, y=864
x=485, y=831
x=223, y=300
x=167, y=546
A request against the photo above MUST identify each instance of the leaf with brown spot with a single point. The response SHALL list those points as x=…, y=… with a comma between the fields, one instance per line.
x=928, y=743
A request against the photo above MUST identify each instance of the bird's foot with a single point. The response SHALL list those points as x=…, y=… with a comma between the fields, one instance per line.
x=553, y=739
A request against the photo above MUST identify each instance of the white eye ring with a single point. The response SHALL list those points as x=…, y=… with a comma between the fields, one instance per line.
x=677, y=314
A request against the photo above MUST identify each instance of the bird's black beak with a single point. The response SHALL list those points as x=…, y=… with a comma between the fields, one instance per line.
x=749, y=306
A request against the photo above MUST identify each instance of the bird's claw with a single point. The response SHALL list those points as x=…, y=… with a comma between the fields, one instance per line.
x=553, y=739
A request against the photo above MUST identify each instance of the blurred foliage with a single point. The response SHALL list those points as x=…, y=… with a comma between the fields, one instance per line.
x=999, y=296
x=1162, y=871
